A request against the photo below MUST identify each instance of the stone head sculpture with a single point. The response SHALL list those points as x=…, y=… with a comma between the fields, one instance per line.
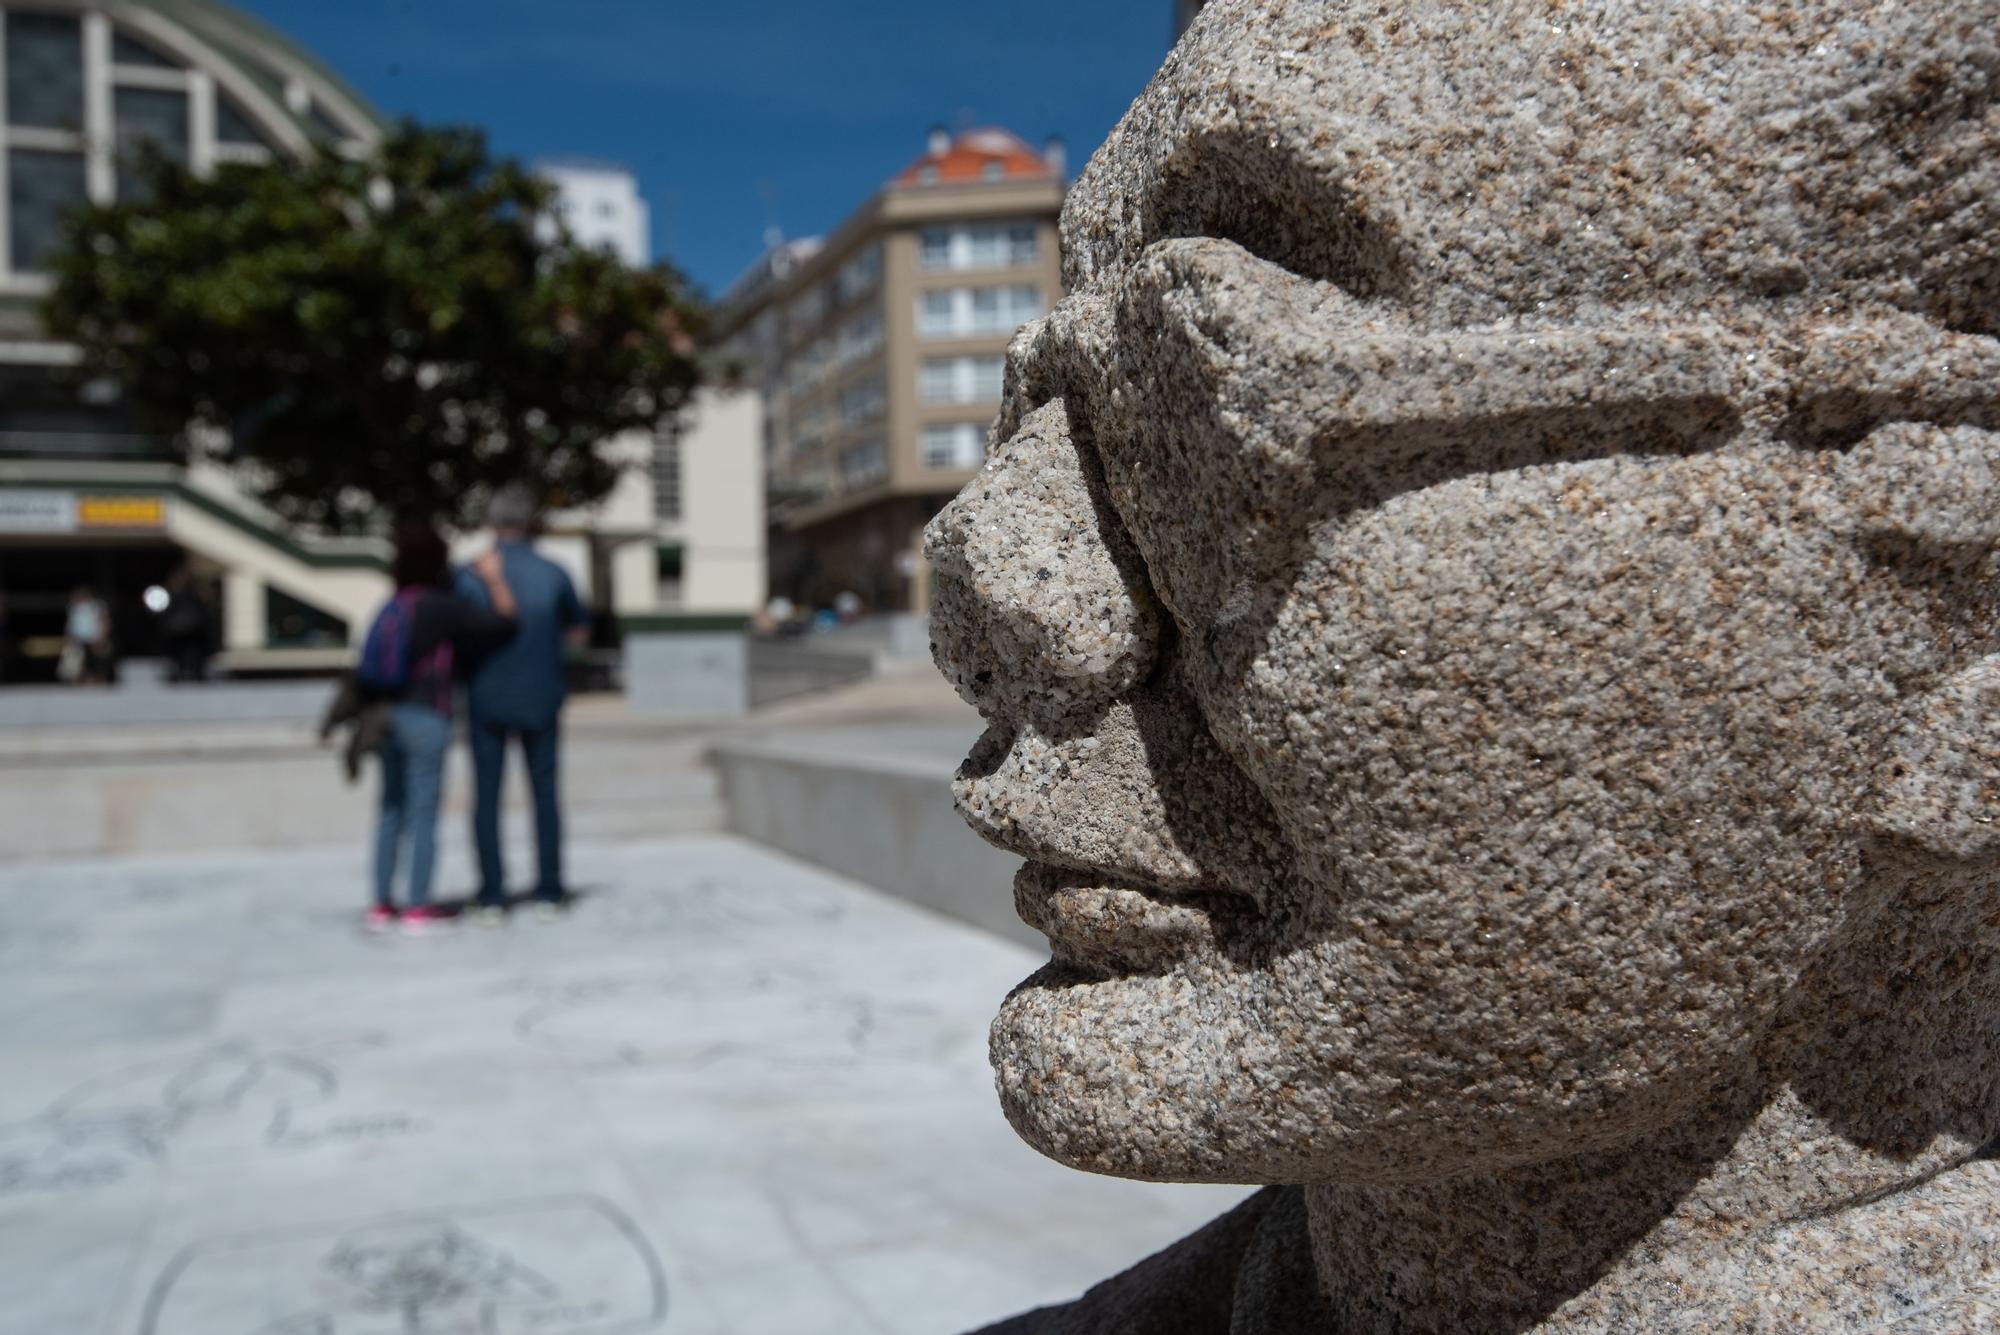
x=1485, y=598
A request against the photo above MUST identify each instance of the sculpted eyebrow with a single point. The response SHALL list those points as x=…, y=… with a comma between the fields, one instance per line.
x=1279, y=352
x=1344, y=406
x=1382, y=379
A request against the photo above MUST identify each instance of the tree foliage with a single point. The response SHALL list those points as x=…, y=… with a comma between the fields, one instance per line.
x=389, y=336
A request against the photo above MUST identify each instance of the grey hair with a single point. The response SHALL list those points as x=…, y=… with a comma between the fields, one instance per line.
x=513, y=506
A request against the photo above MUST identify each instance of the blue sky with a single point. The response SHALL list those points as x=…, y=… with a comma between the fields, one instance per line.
x=736, y=115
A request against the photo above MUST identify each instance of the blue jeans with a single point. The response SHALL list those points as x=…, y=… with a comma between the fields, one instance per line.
x=412, y=787
x=489, y=762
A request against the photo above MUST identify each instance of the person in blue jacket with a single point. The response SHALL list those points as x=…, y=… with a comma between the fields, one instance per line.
x=516, y=694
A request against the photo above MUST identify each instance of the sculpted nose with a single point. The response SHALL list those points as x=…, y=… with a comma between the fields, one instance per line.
x=1042, y=606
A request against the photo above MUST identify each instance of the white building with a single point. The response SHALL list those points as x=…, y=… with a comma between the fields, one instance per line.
x=600, y=204
x=684, y=532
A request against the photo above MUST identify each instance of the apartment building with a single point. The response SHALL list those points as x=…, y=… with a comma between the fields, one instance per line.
x=879, y=352
x=599, y=202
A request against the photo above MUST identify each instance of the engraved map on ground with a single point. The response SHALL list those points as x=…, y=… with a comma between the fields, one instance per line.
x=230, y=1094
x=563, y=1266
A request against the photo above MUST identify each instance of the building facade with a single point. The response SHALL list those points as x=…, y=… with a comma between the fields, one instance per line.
x=879, y=352
x=600, y=204
x=86, y=499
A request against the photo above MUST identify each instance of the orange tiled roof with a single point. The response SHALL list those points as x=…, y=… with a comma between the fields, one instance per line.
x=969, y=155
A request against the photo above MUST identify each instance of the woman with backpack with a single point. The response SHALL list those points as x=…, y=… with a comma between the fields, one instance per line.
x=412, y=659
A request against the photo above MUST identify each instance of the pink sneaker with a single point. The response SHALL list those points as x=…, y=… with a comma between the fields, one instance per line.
x=422, y=921
x=378, y=919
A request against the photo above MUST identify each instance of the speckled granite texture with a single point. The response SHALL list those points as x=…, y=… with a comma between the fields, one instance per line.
x=1485, y=595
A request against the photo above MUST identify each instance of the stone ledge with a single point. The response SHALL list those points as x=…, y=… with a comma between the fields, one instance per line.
x=875, y=805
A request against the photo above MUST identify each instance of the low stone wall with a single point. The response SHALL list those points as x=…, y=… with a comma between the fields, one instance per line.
x=688, y=672
x=875, y=805
x=143, y=702
x=116, y=792
x=785, y=669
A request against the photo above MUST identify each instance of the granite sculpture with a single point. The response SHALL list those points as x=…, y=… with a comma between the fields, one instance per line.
x=1485, y=595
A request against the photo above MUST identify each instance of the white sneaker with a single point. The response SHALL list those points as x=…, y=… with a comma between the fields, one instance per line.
x=486, y=915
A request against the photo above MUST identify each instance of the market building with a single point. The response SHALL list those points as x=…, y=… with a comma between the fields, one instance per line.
x=87, y=499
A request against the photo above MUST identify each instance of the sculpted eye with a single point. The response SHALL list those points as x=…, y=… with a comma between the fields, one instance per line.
x=1281, y=405
x=1254, y=187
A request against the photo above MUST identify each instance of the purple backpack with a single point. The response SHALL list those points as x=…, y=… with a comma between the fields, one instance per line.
x=387, y=662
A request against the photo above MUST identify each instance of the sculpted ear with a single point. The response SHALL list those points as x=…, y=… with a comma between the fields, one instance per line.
x=1942, y=792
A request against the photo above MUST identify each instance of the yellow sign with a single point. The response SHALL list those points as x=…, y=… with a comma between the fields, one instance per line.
x=121, y=512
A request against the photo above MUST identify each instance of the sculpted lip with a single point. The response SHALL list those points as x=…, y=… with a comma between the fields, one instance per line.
x=1110, y=927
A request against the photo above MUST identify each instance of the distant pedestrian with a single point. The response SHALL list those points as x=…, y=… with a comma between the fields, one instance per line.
x=412, y=658
x=518, y=693
x=86, y=651
x=187, y=624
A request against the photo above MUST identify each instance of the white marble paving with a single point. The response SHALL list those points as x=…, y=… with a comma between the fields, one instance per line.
x=730, y=1095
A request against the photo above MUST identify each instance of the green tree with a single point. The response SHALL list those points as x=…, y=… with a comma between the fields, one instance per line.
x=386, y=337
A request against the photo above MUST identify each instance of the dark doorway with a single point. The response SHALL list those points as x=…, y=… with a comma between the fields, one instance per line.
x=35, y=587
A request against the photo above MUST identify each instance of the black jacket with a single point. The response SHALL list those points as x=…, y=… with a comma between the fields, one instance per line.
x=473, y=632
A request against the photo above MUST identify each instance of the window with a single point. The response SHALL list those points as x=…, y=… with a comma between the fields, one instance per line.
x=41, y=188
x=669, y=561
x=985, y=248
x=234, y=126
x=978, y=246
x=1012, y=308
x=321, y=125
x=59, y=156
x=815, y=419
x=44, y=70
x=957, y=311
x=937, y=380
x=860, y=274
x=953, y=445
x=859, y=336
x=667, y=474
x=129, y=50
x=809, y=366
x=961, y=379
x=863, y=401
x=937, y=313
x=863, y=464
x=155, y=116
x=808, y=427
x=989, y=376
x=806, y=312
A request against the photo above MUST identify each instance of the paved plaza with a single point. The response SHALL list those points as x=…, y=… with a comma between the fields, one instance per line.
x=730, y=1093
